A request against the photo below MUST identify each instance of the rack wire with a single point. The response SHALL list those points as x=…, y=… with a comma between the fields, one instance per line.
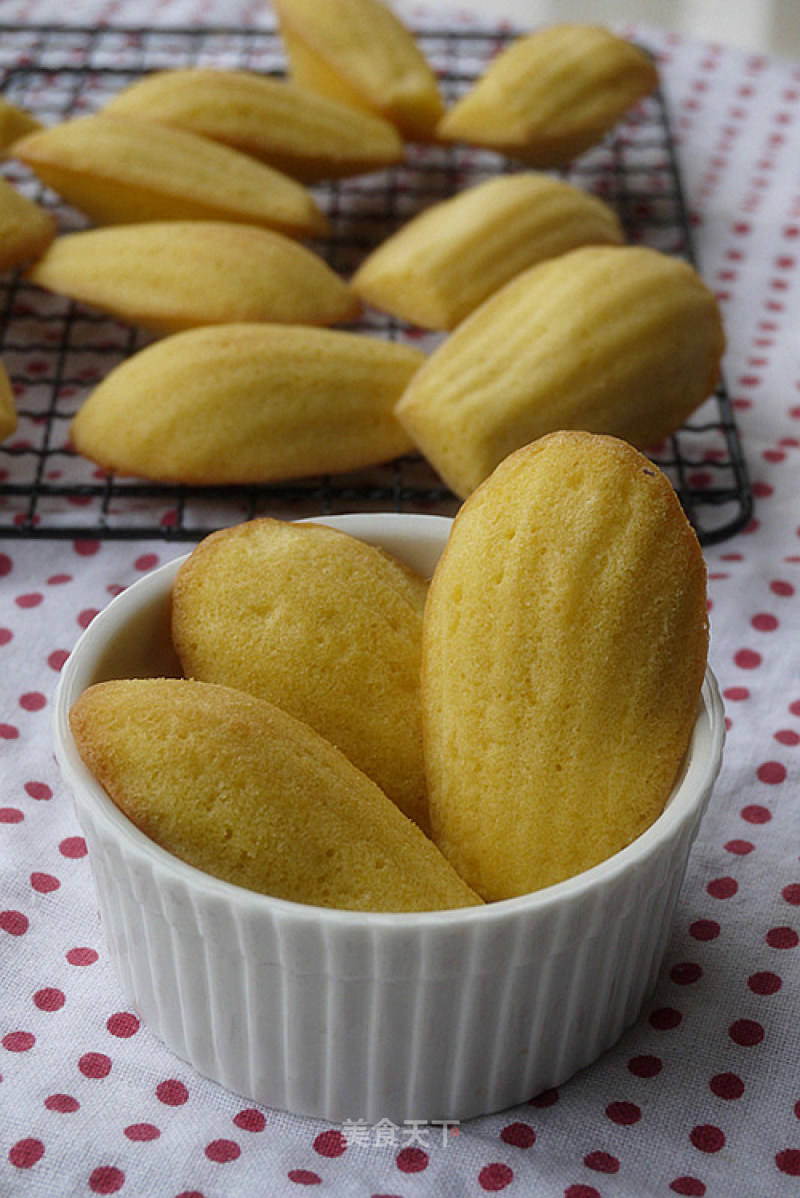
x=55, y=350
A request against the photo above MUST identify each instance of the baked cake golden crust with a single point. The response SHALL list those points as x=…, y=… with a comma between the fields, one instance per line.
x=564, y=651
x=552, y=94
x=622, y=340
x=241, y=790
x=321, y=624
x=241, y=403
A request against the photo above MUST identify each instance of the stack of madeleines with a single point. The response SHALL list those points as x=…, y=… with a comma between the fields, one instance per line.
x=202, y=180
x=347, y=734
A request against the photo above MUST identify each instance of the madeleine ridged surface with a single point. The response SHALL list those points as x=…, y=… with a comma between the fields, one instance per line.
x=307, y=135
x=552, y=94
x=245, y=403
x=622, y=340
x=241, y=790
x=443, y=263
x=8, y=408
x=170, y=275
x=26, y=230
x=123, y=169
x=324, y=626
x=564, y=651
x=359, y=52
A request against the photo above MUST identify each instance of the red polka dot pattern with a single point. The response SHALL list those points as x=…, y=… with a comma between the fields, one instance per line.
x=700, y=1094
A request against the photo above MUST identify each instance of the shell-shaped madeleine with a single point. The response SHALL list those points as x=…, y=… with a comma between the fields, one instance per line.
x=552, y=94
x=359, y=52
x=241, y=790
x=323, y=625
x=166, y=276
x=622, y=340
x=307, y=135
x=15, y=122
x=26, y=229
x=8, y=408
x=123, y=169
x=564, y=651
x=443, y=263
x=241, y=403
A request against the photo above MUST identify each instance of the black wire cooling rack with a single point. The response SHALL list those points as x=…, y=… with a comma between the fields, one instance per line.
x=56, y=350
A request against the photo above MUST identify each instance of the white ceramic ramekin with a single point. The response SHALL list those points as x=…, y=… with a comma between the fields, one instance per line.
x=347, y=1016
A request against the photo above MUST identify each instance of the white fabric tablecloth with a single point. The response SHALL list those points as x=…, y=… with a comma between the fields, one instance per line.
x=702, y=1095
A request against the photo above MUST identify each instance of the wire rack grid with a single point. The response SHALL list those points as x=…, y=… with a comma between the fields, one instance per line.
x=55, y=350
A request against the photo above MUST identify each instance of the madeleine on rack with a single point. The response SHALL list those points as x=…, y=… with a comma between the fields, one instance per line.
x=552, y=94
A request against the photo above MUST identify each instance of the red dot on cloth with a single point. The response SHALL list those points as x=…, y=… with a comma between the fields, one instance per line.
x=746, y=1032
x=689, y=1187
x=39, y=791
x=11, y=815
x=330, y=1143
x=707, y=1138
x=250, y=1120
x=304, y=1177
x=146, y=561
x=739, y=848
x=771, y=772
x=32, y=599
x=623, y=1113
x=26, y=1153
x=172, y=1092
x=8, y=732
x=411, y=1159
x=49, y=999
x=56, y=580
x=18, y=1041
x=73, y=847
x=545, y=1099
x=747, y=659
x=14, y=922
x=223, y=1151
x=107, y=1179
x=764, y=622
x=782, y=938
x=521, y=1135
x=190, y=1194
x=32, y=701
x=754, y=813
x=791, y=894
x=85, y=617
x=495, y=1177
x=82, y=956
x=57, y=659
x=95, y=1064
x=737, y=694
x=765, y=982
x=86, y=548
x=704, y=929
x=601, y=1162
x=788, y=1161
x=6, y=635
x=686, y=973
x=788, y=737
x=141, y=1132
x=581, y=1191
x=645, y=1066
x=727, y=1085
x=6, y=565
x=722, y=888
x=664, y=1019
x=782, y=588
x=62, y=1104
x=123, y=1024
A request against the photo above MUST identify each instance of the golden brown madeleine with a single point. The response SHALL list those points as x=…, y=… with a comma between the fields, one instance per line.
x=243, y=403
x=324, y=626
x=564, y=651
x=15, y=123
x=552, y=94
x=307, y=135
x=122, y=169
x=443, y=263
x=26, y=229
x=359, y=52
x=621, y=340
x=8, y=408
x=170, y=275
x=243, y=791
